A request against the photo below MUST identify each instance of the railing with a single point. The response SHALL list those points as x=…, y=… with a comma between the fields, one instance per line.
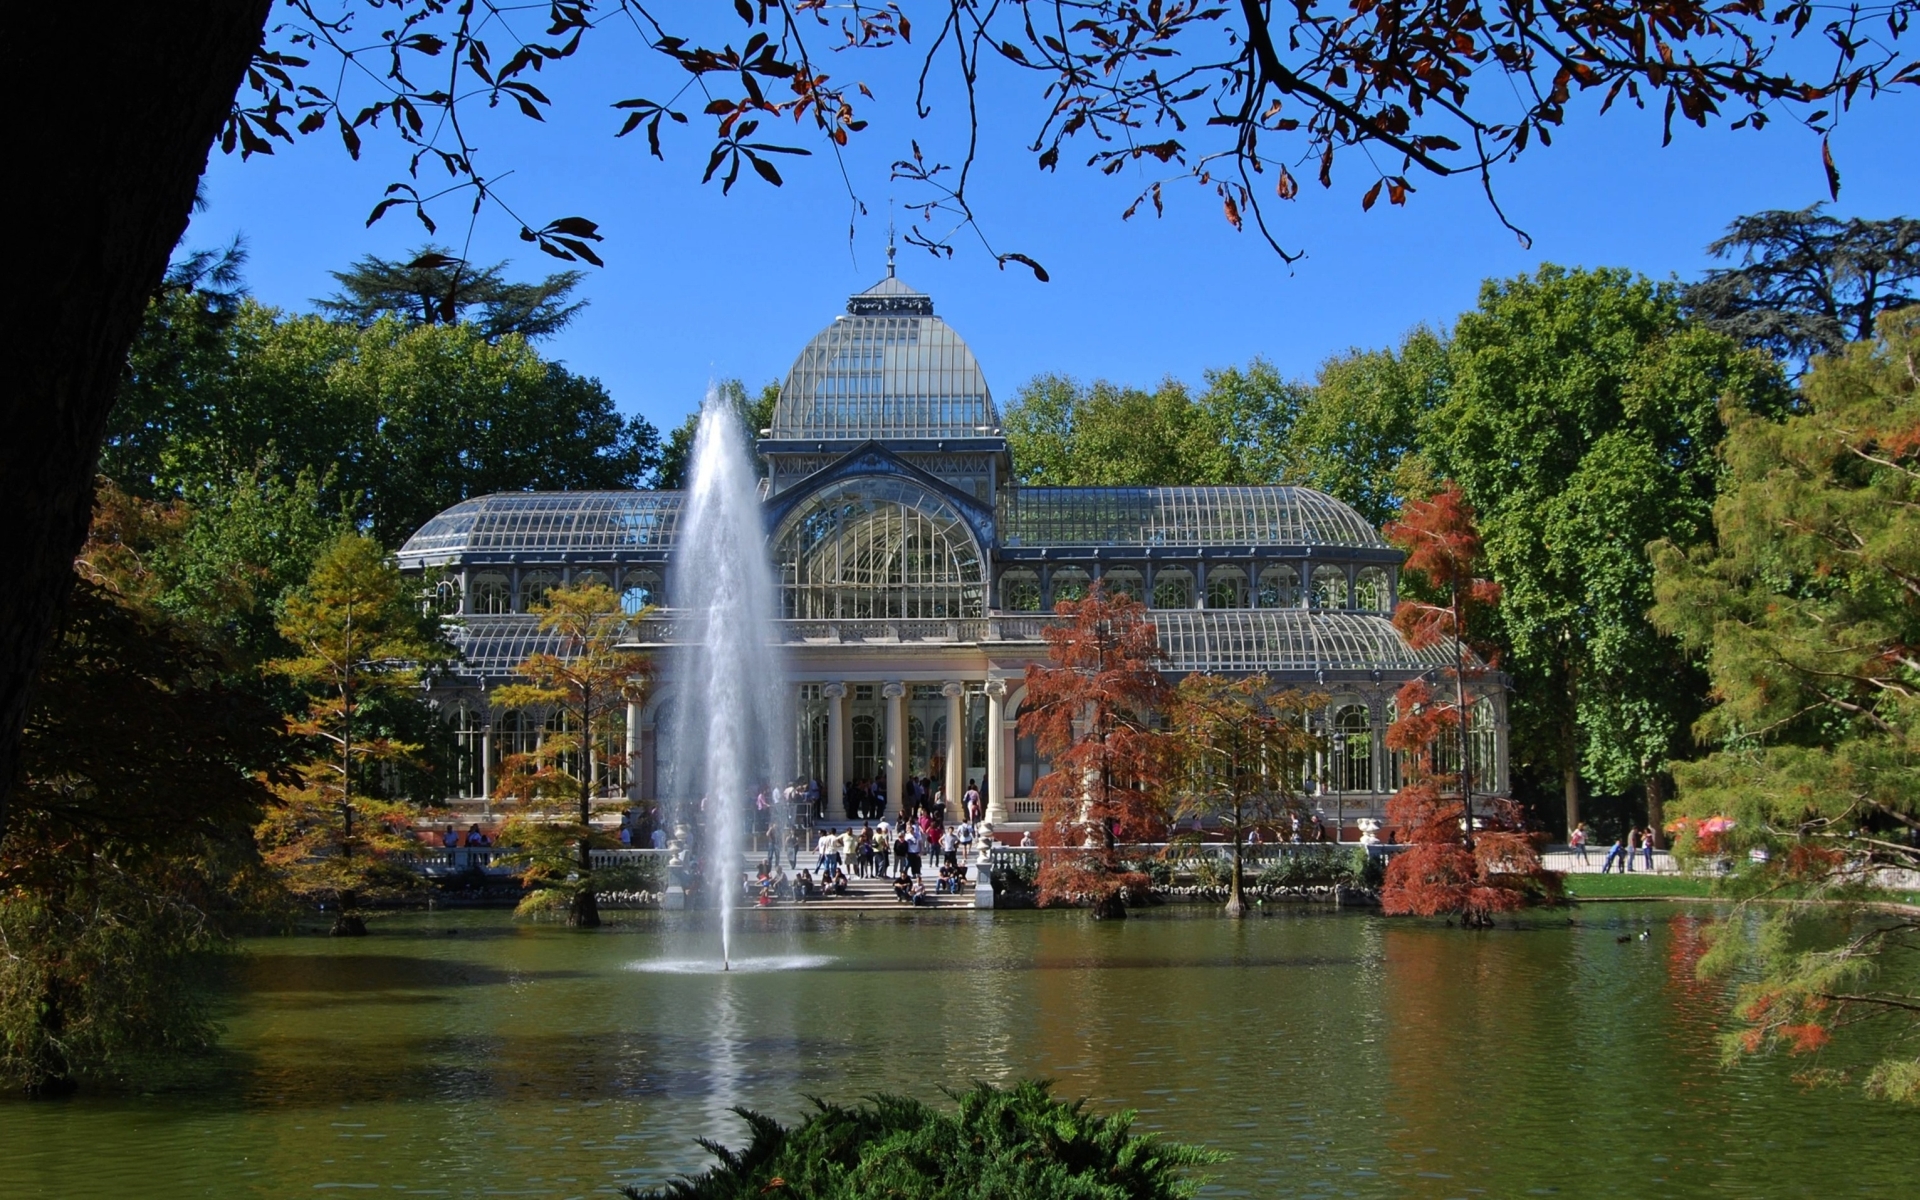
x=440, y=860
x=667, y=631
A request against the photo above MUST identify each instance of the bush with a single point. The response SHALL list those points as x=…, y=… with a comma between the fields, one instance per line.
x=1019, y=1143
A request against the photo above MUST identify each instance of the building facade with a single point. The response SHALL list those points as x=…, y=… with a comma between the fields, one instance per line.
x=916, y=574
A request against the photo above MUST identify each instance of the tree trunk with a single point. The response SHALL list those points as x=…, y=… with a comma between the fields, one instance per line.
x=104, y=159
x=1236, y=891
x=1570, y=783
x=1110, y=907
x=584, y=910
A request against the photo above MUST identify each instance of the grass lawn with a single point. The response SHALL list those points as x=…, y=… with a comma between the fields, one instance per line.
x=1608, y=887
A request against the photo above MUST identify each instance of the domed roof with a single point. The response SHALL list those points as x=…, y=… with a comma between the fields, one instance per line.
x=548, y=525
x=887, y=369
x=1181, y=516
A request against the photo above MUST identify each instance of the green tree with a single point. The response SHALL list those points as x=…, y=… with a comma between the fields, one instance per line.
x=1806, y=608
x=585, y=681
x=756, y=414
x=1807, y=283
x=358, y=634
x=1580, y=420
x=1063, y=434
x=1357, y=434
x=435, y=288
x=129, y=848
x=395, y=421
x=1237, y=747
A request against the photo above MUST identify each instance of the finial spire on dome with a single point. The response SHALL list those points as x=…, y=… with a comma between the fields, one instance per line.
x=889, y=247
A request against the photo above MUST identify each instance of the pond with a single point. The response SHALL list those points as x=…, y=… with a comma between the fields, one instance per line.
x=1332, y=1054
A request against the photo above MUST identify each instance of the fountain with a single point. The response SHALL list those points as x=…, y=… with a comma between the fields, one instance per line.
x=725, y=734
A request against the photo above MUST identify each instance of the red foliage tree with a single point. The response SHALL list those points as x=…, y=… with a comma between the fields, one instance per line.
x=1092, y=713
x=1465, y=860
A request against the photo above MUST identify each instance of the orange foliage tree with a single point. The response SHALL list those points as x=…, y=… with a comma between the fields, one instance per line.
x=1092, y=714
x=1465, y=860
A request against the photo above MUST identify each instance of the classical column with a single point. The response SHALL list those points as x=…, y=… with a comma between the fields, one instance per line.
x=895, y=694
x=633, y=752
x=836, y=782
x=996, y=751
x=956, y=717
x=486, y=757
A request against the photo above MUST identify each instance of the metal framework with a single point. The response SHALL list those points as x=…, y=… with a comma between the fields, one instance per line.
x=1289, y=640
x=902, y=373
x=613, y=524
x=878, y=547
x=1180, y=516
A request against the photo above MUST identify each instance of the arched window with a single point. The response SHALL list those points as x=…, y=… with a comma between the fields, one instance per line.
x=1123, y=582
x=1173, y=588
x=1329, y=587
x=642, y=588
x=534, y=586
x=1371, y=592
x=1070, y=583
x=1280, y=587
x=587, y=579
x=468, y=774
x=445, y=599
x=491, y=594
x=1483, y=743
x=1020, y=591
x=1353, y=749
x=878, y=548
x=1226, y=588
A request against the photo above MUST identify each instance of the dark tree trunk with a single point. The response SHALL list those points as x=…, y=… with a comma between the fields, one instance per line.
x=110, y=116
x=1111, y=907
x=584, y=910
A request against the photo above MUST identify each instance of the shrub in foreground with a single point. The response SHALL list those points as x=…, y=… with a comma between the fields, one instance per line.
x=1018, y=1143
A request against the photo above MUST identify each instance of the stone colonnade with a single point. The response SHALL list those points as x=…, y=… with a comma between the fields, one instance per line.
x=992, y=774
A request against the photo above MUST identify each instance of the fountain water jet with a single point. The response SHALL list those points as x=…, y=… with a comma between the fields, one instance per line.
x=725, y=735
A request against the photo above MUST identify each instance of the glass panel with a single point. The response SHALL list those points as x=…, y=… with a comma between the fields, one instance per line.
x=548, y=522
x=1020, y=591
x=1226, y=588
x=1371, y=592
x=491, y=594
x=534, y=586
x=1279, y=587
x=1172, y=589
x=1124, y=582
x=1329, y=587
x=902, y=374
x=878, y=549
x=1070, y=583
x=1168, y=516
x=1353, y=749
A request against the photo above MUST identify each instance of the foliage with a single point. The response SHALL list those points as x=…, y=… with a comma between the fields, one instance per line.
x=1062, y=433
x=1357, y=435
x=1318, y=865
x=1465, y=860
x=1092, y=714
x=755, y=412
x=1018, y=1143
x=435, y=288
x=358, y=635
x=1806, y=609
x=392, y=422
x=586, y=682
x=1580, y=422
x=1807, y=283
x=1215, y=95
x=1236, y=746
x=128, y=845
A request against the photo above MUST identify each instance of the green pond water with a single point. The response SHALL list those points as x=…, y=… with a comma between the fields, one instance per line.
x=1331, y=1054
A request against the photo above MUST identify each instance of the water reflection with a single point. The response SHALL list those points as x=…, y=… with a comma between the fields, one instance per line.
x=1335, y=1055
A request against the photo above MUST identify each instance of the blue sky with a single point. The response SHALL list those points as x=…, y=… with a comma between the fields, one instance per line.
x=700, y=286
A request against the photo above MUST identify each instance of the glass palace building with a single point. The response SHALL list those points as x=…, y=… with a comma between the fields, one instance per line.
x=916, y=574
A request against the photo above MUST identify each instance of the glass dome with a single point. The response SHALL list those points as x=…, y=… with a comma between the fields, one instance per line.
x=1180, y=516
x=888, y=369
x=546, y=524
x=1291, y=641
